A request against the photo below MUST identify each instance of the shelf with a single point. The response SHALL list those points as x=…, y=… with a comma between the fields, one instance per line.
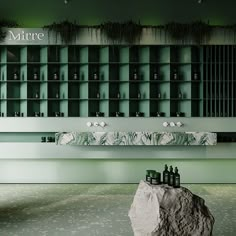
x=121, y=71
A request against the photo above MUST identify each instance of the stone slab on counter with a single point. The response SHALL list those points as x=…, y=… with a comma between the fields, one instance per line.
x=162, y=210
x=136, y=138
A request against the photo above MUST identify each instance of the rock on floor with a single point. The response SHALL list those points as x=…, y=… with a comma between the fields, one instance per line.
x=160, y=210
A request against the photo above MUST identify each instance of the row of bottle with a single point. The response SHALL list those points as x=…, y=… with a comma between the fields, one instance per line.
x=170, y=177
x=95, y=76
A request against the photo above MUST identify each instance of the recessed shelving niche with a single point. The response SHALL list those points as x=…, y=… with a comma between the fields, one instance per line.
x=118, y=81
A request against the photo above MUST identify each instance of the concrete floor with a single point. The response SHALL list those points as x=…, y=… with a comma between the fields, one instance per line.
x=94, y=209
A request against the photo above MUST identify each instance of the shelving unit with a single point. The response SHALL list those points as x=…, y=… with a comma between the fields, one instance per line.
x=117, y=81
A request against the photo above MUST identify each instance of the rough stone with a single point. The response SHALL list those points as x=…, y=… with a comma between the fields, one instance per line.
x=161, y=210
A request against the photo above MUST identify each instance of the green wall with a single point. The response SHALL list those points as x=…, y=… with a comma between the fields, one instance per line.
x=38, y=13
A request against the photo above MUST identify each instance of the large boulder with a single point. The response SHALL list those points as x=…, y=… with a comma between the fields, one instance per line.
x=161, y=210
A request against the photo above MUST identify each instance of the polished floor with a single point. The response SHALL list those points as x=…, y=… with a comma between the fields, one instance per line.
x=93, y=209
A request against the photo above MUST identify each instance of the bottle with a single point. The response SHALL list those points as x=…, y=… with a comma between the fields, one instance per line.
x=180, y=94
x=155, y=75
x=75, y=75
x=35, y=76
x=195, y=75
x=176, y=178
x=37, y=95
x=148, y=175
x=95, y=75
x=139, y=95
x=15, y=75
x=159, y=95
x=98, y=95
x=175, y=75
x=171, y=177
x=155, y=178
x=118, y=95
x=55, y=75
x=135, y=75
x=165, y=175
x=57, y=94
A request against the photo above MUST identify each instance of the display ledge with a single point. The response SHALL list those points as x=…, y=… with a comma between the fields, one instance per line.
x=43, y=151
x=136, y=138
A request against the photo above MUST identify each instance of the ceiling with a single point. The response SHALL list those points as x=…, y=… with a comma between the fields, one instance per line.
x=29, y=13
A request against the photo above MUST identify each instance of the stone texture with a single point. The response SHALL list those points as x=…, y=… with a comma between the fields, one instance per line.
x=162, y=210
x=136, y=138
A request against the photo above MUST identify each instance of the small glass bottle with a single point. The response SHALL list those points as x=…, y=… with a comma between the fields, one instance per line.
x=75, y=75
x=171, y=177
x=139, y=95
x=155, y=75
x=98, y=95
x=195, y=75
x=57, y=94
x=95, y=75
x=175, y=75
x=180, y=95
x=35, y=76
x=155, y=178
x=135, y=74
x=176, y=178
x=37, y=94
x=15, y=76
x=55, y=76
x=165, y=175
x=118, y=95
x=158, y=95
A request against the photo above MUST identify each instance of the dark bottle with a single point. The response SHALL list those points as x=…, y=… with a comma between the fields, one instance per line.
x=148, y=175
x=171, y=177
x=166, y=175
x=176, y=178
x=135, y=74
x=155, y=178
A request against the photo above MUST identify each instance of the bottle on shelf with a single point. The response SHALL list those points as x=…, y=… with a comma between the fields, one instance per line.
x=171, y=177
x=135, y=74
x=175, y=75
x=180, y=95
x=55, y=76
x=165, y=175
x=98, y=95
x=139, y=95
x=95, y=75
x=195, y=75
x=158, y=95
x=15, y=75
x=35, y=75
x=37, y=94
x=57, y=94
x=75, y=76
x=118, y=95
x=155, y=75
x=176, y=178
